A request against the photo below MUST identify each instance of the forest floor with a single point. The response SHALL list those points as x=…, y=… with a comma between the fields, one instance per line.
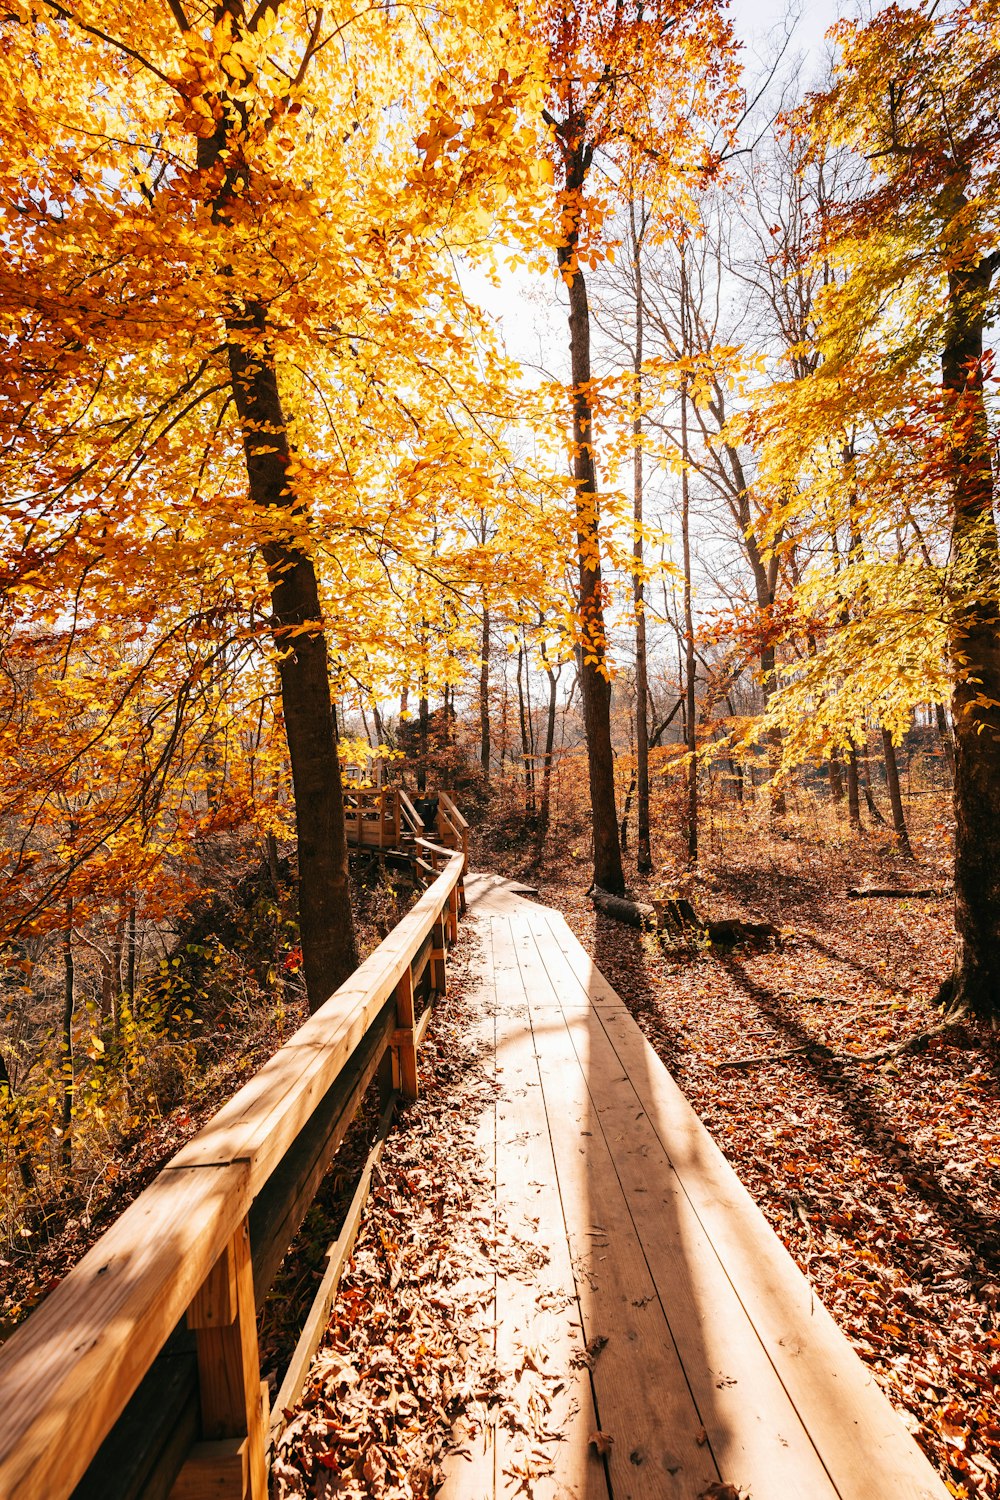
x=883, y=1179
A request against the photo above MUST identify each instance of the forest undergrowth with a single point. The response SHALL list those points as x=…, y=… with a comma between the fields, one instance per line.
x=882, y=1179
x=195, y=1061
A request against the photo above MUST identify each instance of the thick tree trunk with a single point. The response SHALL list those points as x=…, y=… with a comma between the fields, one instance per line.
x=484, y=696
x=326, y=926
x=595, y=681
x=895, y=796
x=975, y=650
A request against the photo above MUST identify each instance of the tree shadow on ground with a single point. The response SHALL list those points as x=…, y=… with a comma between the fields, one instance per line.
x=977, y=1232
x=620, y=954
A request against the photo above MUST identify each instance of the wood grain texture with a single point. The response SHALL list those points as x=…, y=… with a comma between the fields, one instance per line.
x=262, y=1120
x=213, y=1471
x=862, y=1443
x=641, y=1393
x=540, y=1335
x=71, y=1368
x=751, y=1425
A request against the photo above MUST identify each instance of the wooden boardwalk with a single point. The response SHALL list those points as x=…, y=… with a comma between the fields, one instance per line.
x=659, y=1307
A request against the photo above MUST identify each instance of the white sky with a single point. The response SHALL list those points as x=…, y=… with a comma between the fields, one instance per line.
x=531, y=317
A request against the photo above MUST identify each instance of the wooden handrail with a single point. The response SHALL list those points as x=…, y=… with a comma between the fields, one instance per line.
x=68, y=1372
x=411, y=817
x=453, y=813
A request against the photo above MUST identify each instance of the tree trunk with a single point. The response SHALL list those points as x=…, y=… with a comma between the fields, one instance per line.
x=643, y=852
x=767, y=678
x=130, y=952
x=866, y=785
x=947, y=738
x=975, y=649
x=550, y=739
x=484, y=696
x=626, y=811
x=853, y=789
x=895, y=796
x=765, y=578
x=68, y=1064
x=836, y=779
x=423, y=721
x=326, y=925
x=8, y=1114
x=690, y=725
x=595, y=681
x=526, y=766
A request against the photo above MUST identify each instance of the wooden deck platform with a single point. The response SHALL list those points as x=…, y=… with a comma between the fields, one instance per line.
x=660, y=1308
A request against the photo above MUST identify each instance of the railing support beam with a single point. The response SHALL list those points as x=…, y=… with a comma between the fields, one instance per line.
x=439, y=977
x=231, y=1460
x=404, y=1048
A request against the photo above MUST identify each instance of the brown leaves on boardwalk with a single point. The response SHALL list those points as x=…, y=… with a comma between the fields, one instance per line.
x=409, y=1351
x=408, y=1371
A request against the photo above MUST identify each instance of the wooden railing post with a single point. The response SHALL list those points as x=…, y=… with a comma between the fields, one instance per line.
x=404, y=1043
x=438, y=956
x=230, y=1462
x=453, y=915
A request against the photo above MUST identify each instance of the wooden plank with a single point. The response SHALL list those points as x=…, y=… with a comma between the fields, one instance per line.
x=215, y=1303
x=77, y=1361
x=439, y=950
x=229, y=1382
x=539, y=1324
x=641, y=1394
x=214, y=1471
x=282, y=1203
x=404, y=1042
x=862, y=1443
x=146, y=1448
x=752, y=1427
x=72, y=1366
x=326, y=1294
x=469, y=1467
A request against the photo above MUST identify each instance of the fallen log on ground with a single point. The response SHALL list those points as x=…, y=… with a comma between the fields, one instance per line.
x=896, y=892
x=732, y=931
x=621, y=909
x=679, y=916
